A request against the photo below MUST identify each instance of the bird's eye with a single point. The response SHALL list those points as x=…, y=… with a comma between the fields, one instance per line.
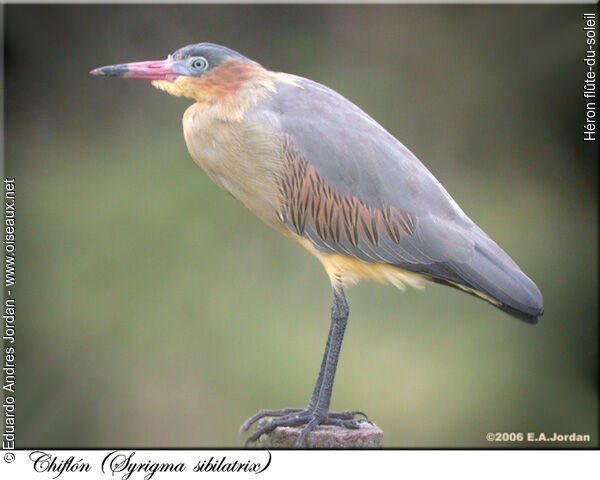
x=198, y=64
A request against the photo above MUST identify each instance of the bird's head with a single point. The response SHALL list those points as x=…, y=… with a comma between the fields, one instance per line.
x=204, y=71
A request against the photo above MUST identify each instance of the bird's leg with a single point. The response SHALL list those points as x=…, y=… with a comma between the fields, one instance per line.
x=317, y=390
x=313, y=399
x=316, y=413
x=287, y=411
x=339, y=319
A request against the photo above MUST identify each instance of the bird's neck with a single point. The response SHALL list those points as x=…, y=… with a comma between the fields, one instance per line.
x=228, y=90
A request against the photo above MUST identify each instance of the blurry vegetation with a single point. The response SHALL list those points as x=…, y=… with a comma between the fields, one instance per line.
x=155, y=311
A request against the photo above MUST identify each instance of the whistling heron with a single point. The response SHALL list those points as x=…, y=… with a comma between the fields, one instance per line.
x=317, y=168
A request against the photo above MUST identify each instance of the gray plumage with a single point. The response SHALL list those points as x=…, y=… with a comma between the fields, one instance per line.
x=357, y=157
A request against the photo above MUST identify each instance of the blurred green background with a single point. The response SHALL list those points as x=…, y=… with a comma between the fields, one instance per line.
x=154, y=310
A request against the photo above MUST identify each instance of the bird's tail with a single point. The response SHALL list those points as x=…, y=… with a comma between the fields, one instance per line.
x=493, y=275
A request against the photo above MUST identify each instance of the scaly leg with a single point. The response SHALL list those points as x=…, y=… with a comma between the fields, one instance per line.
x=317, y=411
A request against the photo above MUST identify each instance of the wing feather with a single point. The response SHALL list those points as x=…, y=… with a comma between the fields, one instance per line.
x=352, y=188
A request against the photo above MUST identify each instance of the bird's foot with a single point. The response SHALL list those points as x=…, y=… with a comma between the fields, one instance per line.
x=293, y=417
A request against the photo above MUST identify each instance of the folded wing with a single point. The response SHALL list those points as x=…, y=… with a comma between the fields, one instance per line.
x=351, y=188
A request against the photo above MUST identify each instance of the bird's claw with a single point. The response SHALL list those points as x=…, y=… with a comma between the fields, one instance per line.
x=293, y=417
x=267, y=413
x=349, y=415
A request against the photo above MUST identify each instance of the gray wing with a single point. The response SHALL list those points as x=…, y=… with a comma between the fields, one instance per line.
x=352, y=188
